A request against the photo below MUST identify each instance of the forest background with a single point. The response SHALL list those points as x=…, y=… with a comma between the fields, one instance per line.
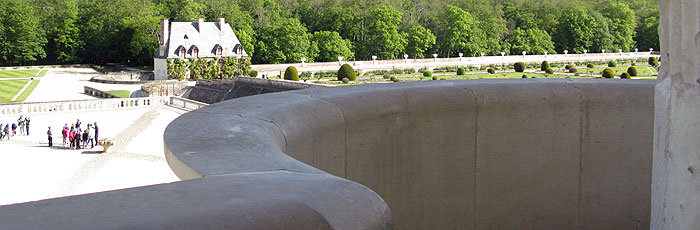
x=284, y=31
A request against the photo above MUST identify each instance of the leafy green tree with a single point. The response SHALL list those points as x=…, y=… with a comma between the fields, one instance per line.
x=603, y=39
x=382, y=36
x=181, y=10
x=459, y=32
x=22, y=38
x=418, y=40
x=241, y=22
x=59, y=19
x=622, y=24
x=518, y=18
x=284, y=41
x=532, y=41
x=647, y=33
x=575, y=31
x=330, y=45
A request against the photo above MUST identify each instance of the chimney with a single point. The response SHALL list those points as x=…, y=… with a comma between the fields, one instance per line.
x=164, y=31
x=200, y=21
x=221, y=22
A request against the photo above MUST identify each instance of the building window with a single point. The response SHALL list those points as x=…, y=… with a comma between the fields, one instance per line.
x=239, y=50
x=195, y=52
x=219, y=50
x=182, y=52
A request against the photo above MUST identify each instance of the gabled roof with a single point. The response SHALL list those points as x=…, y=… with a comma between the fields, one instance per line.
x=187, y=35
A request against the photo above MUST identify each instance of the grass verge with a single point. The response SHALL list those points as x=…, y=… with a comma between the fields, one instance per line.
x=121, y=93
x=22, y=73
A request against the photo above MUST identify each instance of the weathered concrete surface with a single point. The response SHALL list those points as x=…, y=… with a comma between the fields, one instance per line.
x=675, y=198
x=523, y=154
x=475, y=154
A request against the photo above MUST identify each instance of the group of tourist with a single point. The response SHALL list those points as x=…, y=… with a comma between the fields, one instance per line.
x=8, y=130
x=77, y=136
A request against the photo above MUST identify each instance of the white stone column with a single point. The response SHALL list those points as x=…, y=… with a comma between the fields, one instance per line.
x=676, y=161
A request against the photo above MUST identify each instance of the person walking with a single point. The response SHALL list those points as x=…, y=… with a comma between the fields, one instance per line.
x=26, y=124
x=77, y=124
x=20, y=122
x=76, y=137
x=64, y=132
x=2, y=133
x=7, y=131
x=97, y=132
x=50, y=137
x=85, y=137
x=71, y=138
x=91, y=138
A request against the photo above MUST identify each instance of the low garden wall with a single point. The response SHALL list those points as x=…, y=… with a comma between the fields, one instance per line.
x=475, y=154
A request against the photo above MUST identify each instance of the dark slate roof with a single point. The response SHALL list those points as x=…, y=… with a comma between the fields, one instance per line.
x=185, y=35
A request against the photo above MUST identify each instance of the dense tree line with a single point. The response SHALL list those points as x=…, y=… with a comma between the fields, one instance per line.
x=279, y=31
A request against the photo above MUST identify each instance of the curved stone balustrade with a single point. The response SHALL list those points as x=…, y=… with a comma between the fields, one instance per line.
x=186, y=104
x=80, y=105
x=475, y=154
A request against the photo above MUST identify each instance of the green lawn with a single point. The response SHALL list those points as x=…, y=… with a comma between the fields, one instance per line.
x=121, y=93
x=10, y=88
x=21, y=73
x=27, y=91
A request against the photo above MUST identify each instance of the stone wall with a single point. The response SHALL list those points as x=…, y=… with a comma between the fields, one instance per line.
x=213, y=91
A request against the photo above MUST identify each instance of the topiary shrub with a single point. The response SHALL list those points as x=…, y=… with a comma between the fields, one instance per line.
x=435, y=78
x=346, y=71
x=608, y=73
x=590, y=66
x=632, y=71
x=461, y=71
x=253, y=73
x=567, y=66
x=442, y=79
x=291, y=74
x=549, y=71
x=519, y=67
x=625, y=75
x=544, y=66
x=612, y=63
x=524, y=76
x=395, y=79
x=427, y=73
x=387, y=76
x=653, y=62
x=491, y=71
x=573, y=70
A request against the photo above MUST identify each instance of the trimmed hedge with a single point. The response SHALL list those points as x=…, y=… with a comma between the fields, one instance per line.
x=524, y=76
x=549, y=71
x=491, y=71
x=291, y=74
x=519, y=67
x=544, y=66
x=612, y=63
x=567, y=66
x=461, y=71
x=608, y=73
x=427, y=73
x=625, y=75
x=632, y=71
x=653, y=62
x=346, y=71
x=346, y=80
x=253, y=73
x=590, y=66
x=394, y=79
x=573, y=70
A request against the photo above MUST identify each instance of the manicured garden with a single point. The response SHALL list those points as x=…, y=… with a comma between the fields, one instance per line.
x=623, y=68
x=10, y=88
x=25, y=73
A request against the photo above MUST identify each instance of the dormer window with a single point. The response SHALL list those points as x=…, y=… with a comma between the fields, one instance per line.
x=182, y=52
x=195, y=52
x=219, y=51
x=239, y=49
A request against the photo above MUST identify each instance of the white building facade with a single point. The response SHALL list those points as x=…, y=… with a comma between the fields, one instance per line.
x=199, y=39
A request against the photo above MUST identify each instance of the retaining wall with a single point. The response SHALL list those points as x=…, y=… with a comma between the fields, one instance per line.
x=212, y=91
x=474, y=154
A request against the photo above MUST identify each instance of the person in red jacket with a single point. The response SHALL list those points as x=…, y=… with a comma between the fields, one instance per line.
x=64, y=132
x=71, y=134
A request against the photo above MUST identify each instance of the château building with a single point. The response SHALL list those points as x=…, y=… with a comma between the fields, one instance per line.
x=199, y=39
